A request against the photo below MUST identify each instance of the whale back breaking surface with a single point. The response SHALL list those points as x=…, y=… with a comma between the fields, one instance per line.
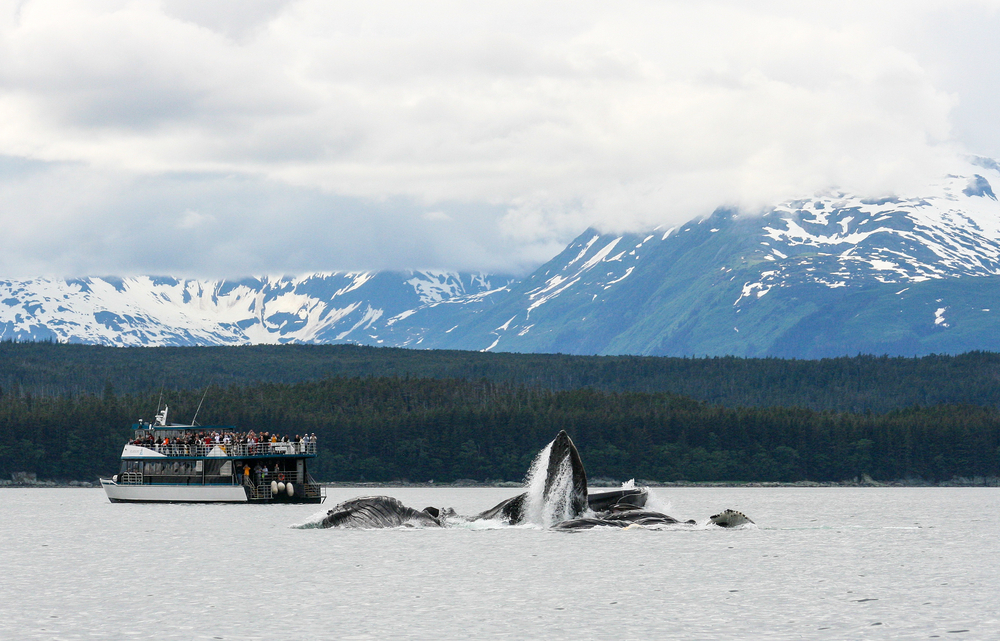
x=376, y=512
x=618, y=499
x=622, y=519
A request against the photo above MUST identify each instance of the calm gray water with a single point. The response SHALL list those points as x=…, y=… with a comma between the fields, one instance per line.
x=823, y=563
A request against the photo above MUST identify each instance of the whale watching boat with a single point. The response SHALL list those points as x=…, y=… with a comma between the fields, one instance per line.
x=171, y=463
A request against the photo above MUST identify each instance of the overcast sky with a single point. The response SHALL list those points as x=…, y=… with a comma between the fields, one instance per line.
x=221, y=138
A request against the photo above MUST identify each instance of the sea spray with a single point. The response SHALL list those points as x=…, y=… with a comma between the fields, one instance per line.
x=658, y=503
x=313, y=521
x=546, y=509
x=535, y=483
x=558, y=505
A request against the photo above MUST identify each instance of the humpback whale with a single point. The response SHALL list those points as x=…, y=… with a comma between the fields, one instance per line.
x=556, y=496
x=378, y=512
x=558, y=470
x=730, y=518
x=618, y=499
x=621, y=519
x=614, y=518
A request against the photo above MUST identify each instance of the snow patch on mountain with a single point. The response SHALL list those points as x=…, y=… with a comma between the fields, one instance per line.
x=952, y=230
x=601, y=292
x=317, y=308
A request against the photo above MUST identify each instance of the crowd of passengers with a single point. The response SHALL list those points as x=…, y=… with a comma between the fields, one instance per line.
x=262, y=443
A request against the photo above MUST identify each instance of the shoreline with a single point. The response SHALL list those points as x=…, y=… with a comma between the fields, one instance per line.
x=958, y=481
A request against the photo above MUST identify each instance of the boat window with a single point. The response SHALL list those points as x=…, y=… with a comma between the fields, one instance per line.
x=130, y=467
x=218, y=468
x=167, y=468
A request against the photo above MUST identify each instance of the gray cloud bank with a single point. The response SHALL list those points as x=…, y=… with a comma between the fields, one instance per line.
x=229, y=137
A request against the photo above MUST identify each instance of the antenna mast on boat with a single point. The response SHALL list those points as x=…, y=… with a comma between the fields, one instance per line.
x=161, y=417
x=194, y=421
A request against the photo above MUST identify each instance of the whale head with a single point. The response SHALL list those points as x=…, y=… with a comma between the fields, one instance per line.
x=564, y=480
x=564, y=458
x=730, y=518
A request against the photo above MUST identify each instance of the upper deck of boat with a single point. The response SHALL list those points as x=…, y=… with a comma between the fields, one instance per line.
x=213, y=441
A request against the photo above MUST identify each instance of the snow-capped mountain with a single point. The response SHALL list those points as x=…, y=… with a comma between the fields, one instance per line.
x=320, y=308
x=828, y=275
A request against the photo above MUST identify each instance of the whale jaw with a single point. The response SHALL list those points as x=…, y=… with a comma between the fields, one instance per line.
x=565, y=479
x=563, y=455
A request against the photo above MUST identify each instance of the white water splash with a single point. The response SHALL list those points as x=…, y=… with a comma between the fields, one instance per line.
x=658, y=503
x=535, y=485
x=559, y=505
x=314, y=521
x=545, y=511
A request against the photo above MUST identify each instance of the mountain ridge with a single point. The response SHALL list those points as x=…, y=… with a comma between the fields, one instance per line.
x=834, y=274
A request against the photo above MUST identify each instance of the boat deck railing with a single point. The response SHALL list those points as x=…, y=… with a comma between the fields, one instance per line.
x=129, y=478
x=262, y=489
x=173, y=478
x=258, y=489
x=240, y=450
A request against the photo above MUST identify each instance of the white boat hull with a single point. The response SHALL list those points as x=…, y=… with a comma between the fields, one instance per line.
x=174, y=493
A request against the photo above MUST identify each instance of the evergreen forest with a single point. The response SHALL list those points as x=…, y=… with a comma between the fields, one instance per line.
x=428, y=423
x=847, y=384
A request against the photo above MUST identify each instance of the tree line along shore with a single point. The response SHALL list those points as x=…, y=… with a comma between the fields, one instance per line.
x=406, y=429
x=857, y=384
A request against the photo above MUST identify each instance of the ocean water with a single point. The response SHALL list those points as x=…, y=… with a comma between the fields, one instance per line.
x=822, y=563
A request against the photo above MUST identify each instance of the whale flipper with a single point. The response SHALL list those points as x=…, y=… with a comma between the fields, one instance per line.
x=377, y=512
x=510, y=510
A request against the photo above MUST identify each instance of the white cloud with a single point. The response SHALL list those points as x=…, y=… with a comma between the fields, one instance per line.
x=523, y=122
x=191, y=219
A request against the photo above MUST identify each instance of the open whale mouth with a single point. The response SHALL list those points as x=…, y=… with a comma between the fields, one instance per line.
x=557, y=484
